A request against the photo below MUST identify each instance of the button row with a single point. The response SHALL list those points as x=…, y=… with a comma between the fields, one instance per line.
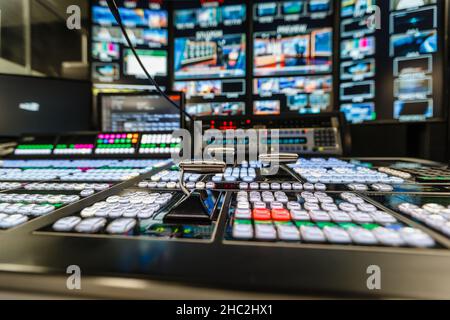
x=67, y=186
x=297, y=186
x=38, y=198
x=26, y=209
x=175, y=185
x=434, y=215
x=10, y=185
x=140, y=205
x=123, y=210
x=344, y=234
x=94, y=225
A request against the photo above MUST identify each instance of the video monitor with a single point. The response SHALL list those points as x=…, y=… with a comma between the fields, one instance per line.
x=265, y=10
x=155, y=60
x=156, y=19
x=322, y=6
x=293, y=7
x=318, y=103
x=208, y=17
x=282, y=54
x=156, y=38
x=105, y=51
x=417, y=20
x=357, y=90
x=297, y=102
x=292, y=85
x=359, y=69
x=146, y=25
x=413, y=65
x=105, y=72
x=139, y=112
x=358, y=48
x=134, y=17
x=216, y=109
x=106, y=34
x=359, y=112
x=355, y=8
x=234, y=14
x=413, y=88
x=185, y=19
x=418, y=110
x=420, y=42
x=103, y=16
x=357, y=26
x=266, y=107
x=298, y=90
x=38, y=105
x=216, y=56
x=409, y=4
x=210, y=88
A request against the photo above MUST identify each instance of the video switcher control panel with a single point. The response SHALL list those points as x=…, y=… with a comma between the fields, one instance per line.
x=313, y=223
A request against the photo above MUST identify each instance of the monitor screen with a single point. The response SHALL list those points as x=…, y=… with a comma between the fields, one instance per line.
x=146, y=24
x=391, y=68
x=155, y=60
x=216, y=56
x=210, y=56
x=139, y=112
x=293, y=53
x=38, y=105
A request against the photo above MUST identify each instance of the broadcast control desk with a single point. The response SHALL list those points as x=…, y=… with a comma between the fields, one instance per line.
x=324, y=226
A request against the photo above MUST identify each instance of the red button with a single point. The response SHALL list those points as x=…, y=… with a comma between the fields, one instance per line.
x=261, y=214
x=281, y=215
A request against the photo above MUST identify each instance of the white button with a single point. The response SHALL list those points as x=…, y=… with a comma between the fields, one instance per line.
x=340, y=216
x=319, y=216
x=362, y=236
x=265, y=232
x=242, y=231
x=66, y=224
x=288, y=233
x=337, y=235
x=312, y=234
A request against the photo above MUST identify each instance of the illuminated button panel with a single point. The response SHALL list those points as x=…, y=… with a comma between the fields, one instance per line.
x=318, y=218
x=73, y=149
x=33, y=149
x=431, y=211
x=159, y=144
x=132, y=213
x=18, y=208
x=335, y=171
x=117, y=143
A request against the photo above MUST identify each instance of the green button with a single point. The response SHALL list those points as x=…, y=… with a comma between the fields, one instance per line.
x=304, y=223
x=322, y=225
x=347, y=225
x=370, y=226
x=243, y=221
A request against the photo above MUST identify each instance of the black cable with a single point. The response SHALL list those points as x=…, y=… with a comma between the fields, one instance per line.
x=115, y=12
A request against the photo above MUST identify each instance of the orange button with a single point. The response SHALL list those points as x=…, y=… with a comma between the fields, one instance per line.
x=261, y=214
x=281, y=215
